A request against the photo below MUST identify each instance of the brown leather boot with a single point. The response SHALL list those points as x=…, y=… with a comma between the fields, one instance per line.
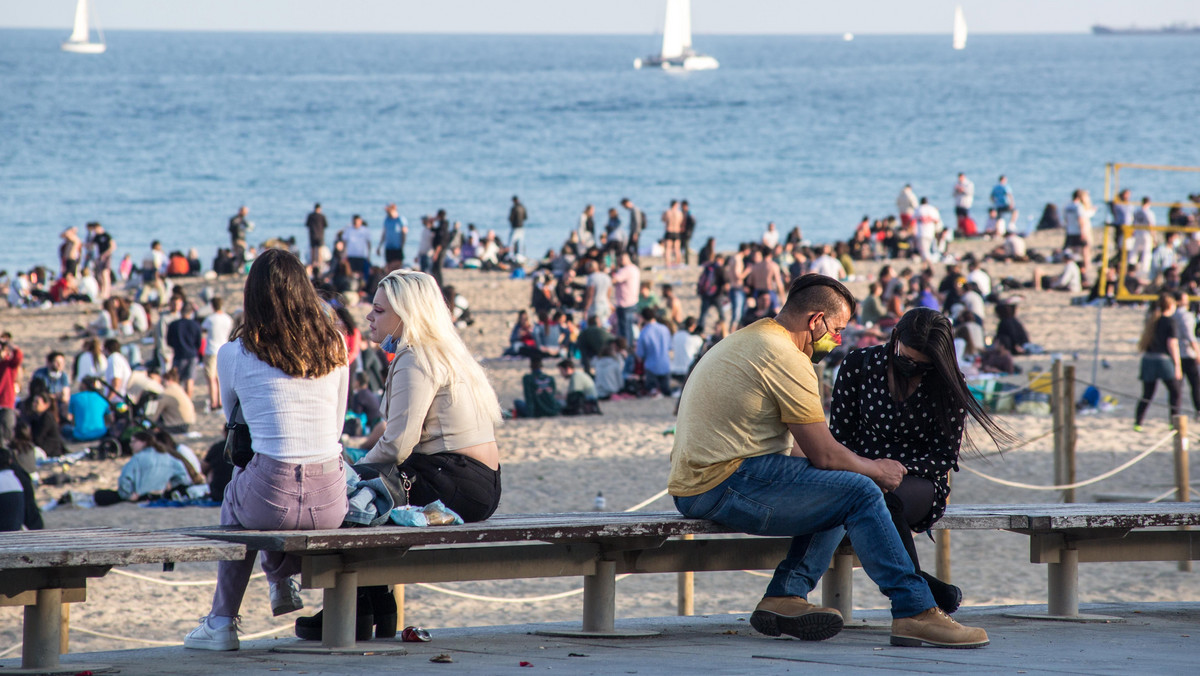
x=797, y=617
x=935, y=628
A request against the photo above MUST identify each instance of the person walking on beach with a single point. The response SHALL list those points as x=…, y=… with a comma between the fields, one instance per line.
x=287, y=349
x=11, y=358
x=689, y=229
x=239, y=227
x=906, y=204
x=70, y=251
x=784, y=474
x=637, y=223
x=217, y=327
x=316, y=225
x=764, y=276
x=597, y=298
x=929, y=222
x=964, y=197
x=1002, y=200
x=395, y=231
x=1077, y=221
x=101, y=247
x=587, y=228
x=1159, y=346
x=357, y=239
x=516, y=219
x=672, y=220
x=183, y=337
x=626, y=280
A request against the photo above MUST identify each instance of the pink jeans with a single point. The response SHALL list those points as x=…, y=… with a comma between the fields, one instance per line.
x=273, y=495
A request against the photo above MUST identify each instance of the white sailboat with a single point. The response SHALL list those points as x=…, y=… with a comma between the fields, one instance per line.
x=677, y=52
x=80, y=40
x=960, y=28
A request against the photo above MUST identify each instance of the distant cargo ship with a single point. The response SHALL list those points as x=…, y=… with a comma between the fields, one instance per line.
x=1178, y=28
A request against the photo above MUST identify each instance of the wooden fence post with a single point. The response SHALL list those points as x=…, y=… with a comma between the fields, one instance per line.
x=1182, y=493
x=1058, y=413
x=1068, y=407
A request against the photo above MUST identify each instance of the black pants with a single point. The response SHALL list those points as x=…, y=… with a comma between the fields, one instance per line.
x=1191, y=371
x=909, y=505
x=465, y=485
x=1173, y=395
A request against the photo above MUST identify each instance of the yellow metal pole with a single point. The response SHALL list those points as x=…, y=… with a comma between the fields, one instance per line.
x=1108, y=182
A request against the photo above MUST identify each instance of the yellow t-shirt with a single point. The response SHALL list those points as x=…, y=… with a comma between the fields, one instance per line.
x=738, y=403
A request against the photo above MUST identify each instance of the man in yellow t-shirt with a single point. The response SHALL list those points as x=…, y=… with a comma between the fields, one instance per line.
x=753, y=452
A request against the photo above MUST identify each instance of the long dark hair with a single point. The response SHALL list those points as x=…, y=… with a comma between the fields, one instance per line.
x=165, y=443
x=284, y=323
x=929, y=332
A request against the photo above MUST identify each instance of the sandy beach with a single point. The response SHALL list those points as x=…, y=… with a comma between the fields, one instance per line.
x=560, y=464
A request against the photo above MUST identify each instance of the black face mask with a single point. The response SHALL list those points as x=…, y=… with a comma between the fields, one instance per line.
x=908, y=368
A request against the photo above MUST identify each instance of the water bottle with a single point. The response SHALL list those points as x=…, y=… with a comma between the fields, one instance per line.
x=599, y=501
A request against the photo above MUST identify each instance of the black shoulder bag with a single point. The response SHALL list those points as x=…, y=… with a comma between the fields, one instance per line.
x=237, y=438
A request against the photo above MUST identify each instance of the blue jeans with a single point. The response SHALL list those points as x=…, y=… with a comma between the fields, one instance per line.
x=737, y=302
x=626, y=318
x=784, y=495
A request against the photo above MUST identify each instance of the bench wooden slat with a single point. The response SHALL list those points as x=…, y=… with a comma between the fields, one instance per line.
x=108, y=547
x=572, y=526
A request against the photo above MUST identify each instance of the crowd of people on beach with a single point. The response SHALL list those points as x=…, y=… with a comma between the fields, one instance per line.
x=403, y=400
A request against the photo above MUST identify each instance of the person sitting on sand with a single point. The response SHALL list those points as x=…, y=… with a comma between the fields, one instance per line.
x=541, y=393
x=1071, y=278
x=87, y=413
x=610, y=371
x=581, y=390
x=18, y=501
x=151, y=473
x=784, y=474
x=879, y=392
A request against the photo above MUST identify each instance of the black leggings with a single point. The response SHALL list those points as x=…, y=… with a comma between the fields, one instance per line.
x=465, y=485
x=909, y=505
x=1173, y=395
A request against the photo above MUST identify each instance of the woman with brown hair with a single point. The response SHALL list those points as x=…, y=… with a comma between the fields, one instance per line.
x=1159, y=346
x=284, y=370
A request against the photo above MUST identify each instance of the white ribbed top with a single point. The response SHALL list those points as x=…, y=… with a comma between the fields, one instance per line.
x=296, y=420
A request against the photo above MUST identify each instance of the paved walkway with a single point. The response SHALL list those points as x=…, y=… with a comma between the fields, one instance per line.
x=1160, y=639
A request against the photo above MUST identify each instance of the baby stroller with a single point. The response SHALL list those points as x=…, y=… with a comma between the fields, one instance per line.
x=129, y=416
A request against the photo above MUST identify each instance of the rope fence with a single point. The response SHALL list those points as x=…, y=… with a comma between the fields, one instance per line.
x=1078, y=484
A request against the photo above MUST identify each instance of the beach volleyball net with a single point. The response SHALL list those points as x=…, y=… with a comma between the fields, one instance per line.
x=1122, y=234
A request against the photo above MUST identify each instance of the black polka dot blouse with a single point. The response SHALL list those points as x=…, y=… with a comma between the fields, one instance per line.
x=865, y=419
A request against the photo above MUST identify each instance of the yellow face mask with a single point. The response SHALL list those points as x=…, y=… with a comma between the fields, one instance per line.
x=825, y=344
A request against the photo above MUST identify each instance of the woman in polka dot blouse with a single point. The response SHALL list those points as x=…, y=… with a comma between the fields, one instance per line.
x=907, y=400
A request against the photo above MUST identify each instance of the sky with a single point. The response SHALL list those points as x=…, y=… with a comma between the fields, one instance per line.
x=634, y=17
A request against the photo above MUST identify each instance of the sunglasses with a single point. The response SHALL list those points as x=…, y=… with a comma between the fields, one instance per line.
x=911, y=365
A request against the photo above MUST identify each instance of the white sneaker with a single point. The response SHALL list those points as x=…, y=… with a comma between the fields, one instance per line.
x=285, y=597
x=206, y=637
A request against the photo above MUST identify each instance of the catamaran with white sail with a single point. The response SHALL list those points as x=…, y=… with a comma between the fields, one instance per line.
x=677, y=52
x=80, y=41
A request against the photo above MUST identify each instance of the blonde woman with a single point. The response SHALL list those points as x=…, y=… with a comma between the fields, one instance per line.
x=439, y=413
x=285, y=369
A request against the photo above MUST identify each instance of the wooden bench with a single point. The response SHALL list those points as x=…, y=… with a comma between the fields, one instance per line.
x=596, y=546
x=1061, y=536
x=44, y=569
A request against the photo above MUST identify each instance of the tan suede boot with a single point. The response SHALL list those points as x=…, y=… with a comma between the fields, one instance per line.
x=935, y=628
x=797, y=617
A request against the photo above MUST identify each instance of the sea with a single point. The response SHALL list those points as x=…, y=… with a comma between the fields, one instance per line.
x=166, y=134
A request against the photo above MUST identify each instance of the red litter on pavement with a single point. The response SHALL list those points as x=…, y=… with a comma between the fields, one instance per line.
x=527, y=664
x=415, y=635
